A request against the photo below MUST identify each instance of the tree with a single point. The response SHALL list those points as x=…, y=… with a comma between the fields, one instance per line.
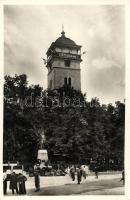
x=75, y=129
x=21, y=139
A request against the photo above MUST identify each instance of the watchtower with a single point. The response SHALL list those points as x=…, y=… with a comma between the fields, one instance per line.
x=63, y=63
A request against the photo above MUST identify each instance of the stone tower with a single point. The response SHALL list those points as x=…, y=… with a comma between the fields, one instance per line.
x=63, y=63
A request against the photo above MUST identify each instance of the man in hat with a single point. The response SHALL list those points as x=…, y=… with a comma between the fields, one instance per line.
x=37, y=180
x=13, y=183
x=79, y=175
x=21, y=183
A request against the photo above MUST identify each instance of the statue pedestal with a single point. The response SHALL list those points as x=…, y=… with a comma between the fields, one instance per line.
x=42, y=155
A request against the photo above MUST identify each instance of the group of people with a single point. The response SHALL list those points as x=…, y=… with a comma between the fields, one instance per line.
x=82, y=171
x=17, y=183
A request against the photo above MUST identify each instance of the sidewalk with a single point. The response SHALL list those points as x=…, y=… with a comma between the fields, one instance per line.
x=104, y=185
x=46, y=181
x=53, y=181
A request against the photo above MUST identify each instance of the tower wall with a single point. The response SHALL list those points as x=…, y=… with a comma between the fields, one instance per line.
x=51, y=78
x=62, y=73
x=60, y=63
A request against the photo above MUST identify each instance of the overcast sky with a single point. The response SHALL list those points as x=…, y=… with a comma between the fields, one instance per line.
x=29, y=31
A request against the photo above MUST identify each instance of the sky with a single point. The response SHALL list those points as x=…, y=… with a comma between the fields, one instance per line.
x=100, y=29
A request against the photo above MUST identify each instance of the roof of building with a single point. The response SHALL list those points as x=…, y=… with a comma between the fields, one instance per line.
x=63, y=41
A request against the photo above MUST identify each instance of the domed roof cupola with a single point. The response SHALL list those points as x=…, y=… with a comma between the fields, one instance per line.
x=63, y=42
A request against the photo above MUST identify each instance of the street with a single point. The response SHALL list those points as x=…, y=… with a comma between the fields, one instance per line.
x=106, y=184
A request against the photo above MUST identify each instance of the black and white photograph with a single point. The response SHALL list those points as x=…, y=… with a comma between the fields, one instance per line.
x=64, y=99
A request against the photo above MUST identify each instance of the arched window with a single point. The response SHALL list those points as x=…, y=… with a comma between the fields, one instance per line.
x=69, y=81
x=65, y=81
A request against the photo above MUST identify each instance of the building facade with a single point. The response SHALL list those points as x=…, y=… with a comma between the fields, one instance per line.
x=63, y=63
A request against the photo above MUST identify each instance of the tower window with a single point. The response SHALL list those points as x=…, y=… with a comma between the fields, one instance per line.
x=67, y=63
x=65, y=81
x=69, y=81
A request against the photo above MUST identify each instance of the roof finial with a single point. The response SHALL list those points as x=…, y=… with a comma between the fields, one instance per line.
x=63, y=33
x=62, y=27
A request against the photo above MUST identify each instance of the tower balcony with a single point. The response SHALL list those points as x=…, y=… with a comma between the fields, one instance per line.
x=62, y=55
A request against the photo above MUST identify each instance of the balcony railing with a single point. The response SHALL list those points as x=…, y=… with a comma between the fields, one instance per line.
x=65, y=56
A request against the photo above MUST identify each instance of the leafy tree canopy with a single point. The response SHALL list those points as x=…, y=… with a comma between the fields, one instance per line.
x=74, y=128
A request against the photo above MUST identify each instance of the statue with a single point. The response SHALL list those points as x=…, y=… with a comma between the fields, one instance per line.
x=42, y=152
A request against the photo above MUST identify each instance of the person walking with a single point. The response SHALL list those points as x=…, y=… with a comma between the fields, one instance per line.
x=72, y=173
x=21, y=184
x=123, y=177
x=87, y=170
x=37, y=180
x=83, y=168
x=96, y=171
x=13, y=183
x=67, y=170
x=79, y=175
x=5, y=182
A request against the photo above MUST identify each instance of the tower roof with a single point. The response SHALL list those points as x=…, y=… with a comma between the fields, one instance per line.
x=63, y=41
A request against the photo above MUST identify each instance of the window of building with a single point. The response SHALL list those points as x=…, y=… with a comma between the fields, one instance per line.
x=69, y=81
x=67, y=63
x=65, y=81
